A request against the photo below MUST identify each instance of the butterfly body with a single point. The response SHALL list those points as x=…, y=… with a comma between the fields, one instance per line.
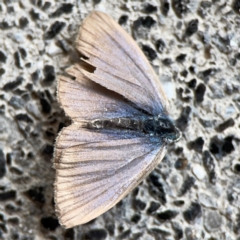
x=158, y=126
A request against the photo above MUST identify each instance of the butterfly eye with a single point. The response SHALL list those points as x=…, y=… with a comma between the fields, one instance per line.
x=164, y=124
x=174, y=136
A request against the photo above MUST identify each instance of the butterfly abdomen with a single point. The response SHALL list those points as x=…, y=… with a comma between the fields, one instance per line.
x=154, y=125
x=117, y=123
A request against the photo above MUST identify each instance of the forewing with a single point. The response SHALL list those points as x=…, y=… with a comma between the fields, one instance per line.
x=95, y=170
x=84, y=100
x=120, y=64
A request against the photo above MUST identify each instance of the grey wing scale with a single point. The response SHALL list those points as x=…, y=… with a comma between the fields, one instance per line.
x=84, y=100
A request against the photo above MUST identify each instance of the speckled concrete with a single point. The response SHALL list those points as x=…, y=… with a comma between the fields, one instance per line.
x=194, y=48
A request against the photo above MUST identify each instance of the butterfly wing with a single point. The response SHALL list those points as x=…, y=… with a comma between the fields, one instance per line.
x=120, y=64
x=96, y=169
x=84, y=100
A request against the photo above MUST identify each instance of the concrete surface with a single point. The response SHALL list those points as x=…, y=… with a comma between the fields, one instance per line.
x=194, y=47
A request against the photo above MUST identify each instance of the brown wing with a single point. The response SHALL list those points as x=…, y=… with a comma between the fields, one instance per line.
x=120, y=64
x=95, y=170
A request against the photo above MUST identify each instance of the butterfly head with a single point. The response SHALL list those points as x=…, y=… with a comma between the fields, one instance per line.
x=167, y=130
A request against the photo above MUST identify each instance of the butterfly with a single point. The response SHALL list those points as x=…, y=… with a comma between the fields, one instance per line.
x=120, y=124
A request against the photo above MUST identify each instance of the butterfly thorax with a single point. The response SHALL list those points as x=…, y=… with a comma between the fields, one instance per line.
x=161, y=127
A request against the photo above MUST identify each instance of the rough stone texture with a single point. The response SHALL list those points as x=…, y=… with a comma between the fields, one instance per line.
x=194, y=48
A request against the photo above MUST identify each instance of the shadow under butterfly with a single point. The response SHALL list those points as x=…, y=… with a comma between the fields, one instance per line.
x=120, y=128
